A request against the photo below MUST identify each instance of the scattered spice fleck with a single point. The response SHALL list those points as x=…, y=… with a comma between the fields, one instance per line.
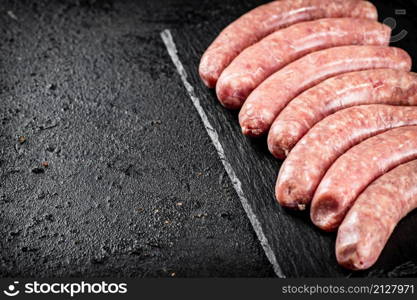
x=167, y=222
x=156, y=122
x=12, y=15
x=200, y=174
x=200, y=215
x=49, y=217
x=50, y=148
x=51, y=86
x=179, y=203
x=38, y=170
x=21, y=139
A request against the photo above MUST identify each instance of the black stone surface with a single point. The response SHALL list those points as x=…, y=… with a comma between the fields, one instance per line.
x=133, y=185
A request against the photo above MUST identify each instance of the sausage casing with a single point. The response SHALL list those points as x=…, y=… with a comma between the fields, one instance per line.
x=356, y=169
x=371, y=220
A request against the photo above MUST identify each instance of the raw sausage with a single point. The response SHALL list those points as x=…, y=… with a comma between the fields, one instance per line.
x=264, y=58
x=268, y=18
x=370, y=222
x=308, y=162
x=270, y=97
x=384, y=86
x=355, y=169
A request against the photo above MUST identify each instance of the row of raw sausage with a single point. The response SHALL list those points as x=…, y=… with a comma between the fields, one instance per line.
x=384, y=86
x=337, y=102
x=333, y=167
x=265, y=103
x=256, y=63
x=265, y=19
x=308, y=162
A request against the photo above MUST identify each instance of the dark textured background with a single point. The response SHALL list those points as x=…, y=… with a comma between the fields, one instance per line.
x=91, y=88
x=134, y=186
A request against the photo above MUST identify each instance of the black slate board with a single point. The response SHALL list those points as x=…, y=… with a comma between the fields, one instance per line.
x=300, y=249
